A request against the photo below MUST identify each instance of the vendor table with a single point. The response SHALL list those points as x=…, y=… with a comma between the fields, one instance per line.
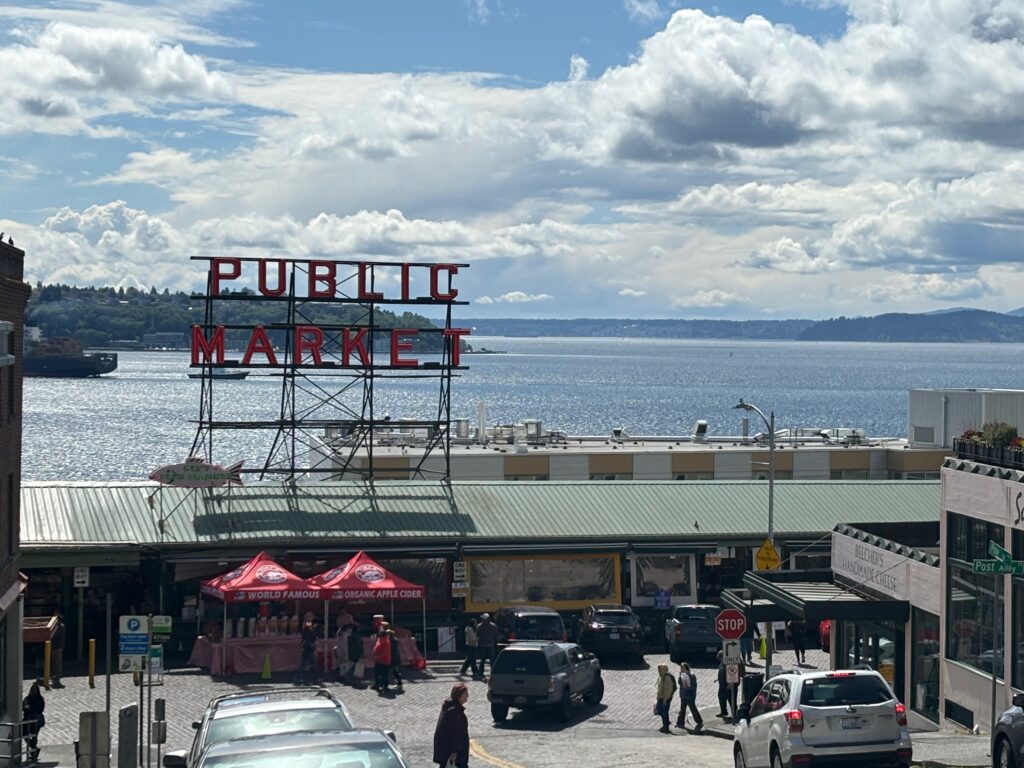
x=246, y=655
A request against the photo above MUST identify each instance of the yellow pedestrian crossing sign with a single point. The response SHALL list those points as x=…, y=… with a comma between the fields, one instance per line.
x=767, y=557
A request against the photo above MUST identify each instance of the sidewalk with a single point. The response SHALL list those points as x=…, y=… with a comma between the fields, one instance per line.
x=936, y=749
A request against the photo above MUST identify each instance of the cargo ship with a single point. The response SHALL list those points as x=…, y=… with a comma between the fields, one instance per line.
x=62, y=357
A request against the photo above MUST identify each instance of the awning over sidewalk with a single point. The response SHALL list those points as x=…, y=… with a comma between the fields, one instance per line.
x=812, y=596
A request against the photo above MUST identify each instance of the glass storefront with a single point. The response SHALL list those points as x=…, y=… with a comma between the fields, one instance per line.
x=974, y=602
x=1017, y=615
x=877, y=645
x=924, y=678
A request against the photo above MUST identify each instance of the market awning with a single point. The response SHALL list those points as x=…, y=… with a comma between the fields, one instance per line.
x=262, y=578
x=362, y=578
x=807, y=595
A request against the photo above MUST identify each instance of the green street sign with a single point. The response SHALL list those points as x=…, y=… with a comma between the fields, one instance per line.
x=999, y=553
x=994, y=567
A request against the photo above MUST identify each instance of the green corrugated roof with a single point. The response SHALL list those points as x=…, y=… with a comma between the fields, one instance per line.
x=91, y=514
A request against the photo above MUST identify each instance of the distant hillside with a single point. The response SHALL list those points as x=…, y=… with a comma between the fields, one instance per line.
x=960, y=326
x=649, y=329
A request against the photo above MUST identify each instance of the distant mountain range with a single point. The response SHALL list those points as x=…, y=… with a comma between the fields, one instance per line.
x=955, y=325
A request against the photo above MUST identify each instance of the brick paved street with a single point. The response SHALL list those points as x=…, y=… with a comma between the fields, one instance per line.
x=622, y=729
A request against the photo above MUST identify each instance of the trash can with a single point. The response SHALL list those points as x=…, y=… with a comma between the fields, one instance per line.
x=752, y=684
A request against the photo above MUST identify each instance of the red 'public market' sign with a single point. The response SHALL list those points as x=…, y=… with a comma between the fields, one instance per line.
x=323, y=281
x=730, y=624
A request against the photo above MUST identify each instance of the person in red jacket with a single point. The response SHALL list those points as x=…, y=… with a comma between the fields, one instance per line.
x=381, y=661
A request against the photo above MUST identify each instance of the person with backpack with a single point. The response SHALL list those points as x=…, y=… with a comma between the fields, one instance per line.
x=666, y=691
x=688, y=698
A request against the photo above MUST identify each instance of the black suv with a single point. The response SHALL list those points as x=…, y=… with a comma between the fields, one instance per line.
x=611, y=629
x=526, y=622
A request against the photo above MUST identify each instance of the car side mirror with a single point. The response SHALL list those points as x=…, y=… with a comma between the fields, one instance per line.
x=174, y=760
x=195, y=725
x=1018, y=700
x=743, y=712
x=391, y=735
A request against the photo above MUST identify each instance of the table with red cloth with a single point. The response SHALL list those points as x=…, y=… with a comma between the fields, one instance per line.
x=248, y=654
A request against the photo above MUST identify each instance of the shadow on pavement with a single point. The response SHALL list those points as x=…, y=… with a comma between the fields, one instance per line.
x=545, y=719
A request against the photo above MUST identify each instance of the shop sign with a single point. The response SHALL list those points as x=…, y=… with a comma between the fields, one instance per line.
x=870, y=566
x=81, y=576
x=460, y=589
x=712, y=560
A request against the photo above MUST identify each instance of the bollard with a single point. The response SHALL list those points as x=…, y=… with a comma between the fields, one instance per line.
x=92, y=663
x=47, y=650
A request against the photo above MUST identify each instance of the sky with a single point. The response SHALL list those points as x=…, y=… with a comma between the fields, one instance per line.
x=587, y=158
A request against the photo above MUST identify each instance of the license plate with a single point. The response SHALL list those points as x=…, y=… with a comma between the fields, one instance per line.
x=850, y=724
x=520, y=699
x=613, y=635
x=711, y=648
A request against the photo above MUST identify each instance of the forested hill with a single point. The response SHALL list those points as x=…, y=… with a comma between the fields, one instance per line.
x=958, y=326
x=98, y=317
x=651, y=329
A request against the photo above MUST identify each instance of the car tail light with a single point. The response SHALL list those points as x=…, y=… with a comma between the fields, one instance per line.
x=841, y=674
x=565, y=637
x=678, y=633
x=551, y=686
x=905, y=755
x=795, y=720
x=901, y=713
x=511, y=636
x=800, y=760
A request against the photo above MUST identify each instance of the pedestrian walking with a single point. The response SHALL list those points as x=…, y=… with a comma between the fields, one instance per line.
x=341, y=652
x=57, y=653
x=32, y=707
x=725, y=694
x=487, y=642
x=307, y=662
x=798, y=634
x=355, y=655
x=666, y=691
x=381, y=660
x=688, y=698
x=451, y=735
x=396, y=659
x=747, y=641
x=471, y=646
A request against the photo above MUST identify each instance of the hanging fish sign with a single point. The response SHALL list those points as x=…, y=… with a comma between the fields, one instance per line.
x=198, y=473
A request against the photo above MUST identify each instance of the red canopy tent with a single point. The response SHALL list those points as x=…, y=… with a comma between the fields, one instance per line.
x=362, y=578
x=262, y=578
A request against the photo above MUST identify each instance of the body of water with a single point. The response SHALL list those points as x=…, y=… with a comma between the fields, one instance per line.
x=120, y=427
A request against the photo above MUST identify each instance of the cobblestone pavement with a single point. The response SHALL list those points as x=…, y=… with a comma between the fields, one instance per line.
x=620, y=731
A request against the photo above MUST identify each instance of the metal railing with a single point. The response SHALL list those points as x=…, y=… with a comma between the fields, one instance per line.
x=13, y=747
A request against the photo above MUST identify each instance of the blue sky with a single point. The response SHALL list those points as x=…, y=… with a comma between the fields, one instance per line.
x=629, y=158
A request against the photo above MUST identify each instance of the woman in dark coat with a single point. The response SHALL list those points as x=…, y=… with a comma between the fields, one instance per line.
x=451, y=737
x=32, y=710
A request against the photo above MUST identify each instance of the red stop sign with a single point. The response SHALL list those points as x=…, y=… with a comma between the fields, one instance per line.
x=730, y=624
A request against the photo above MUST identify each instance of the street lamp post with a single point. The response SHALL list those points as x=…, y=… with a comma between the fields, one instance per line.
x=769, y=422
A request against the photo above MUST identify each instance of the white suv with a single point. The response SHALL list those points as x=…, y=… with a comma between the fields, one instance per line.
x=848, y=717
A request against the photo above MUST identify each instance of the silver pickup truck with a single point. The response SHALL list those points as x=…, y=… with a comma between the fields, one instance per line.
x=543, y=674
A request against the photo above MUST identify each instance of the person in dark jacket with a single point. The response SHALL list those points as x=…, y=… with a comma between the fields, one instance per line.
x=396, y=660
x=750, y=634
x=307, y=663
x=798, y=633
x=355, y=653
x=688, y=698
x=724, y=693
x=32, y=707
x=57, y=643
x=487, y=642
x=451, y=736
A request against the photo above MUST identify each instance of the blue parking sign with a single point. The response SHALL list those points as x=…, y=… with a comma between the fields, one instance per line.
x=662, y=598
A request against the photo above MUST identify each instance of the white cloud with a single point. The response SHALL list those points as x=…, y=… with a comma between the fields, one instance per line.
x=479, y=11
x=644, y=10
x=632, y=292
x=515, y=297
x=578, y=67
x=709, y=299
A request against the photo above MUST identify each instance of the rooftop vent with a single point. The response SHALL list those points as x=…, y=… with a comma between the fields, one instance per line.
x=700, y=431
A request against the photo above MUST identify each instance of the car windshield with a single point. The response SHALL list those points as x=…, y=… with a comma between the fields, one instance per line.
x=843, y=691
x=363, y=755
x=228, y=727
x=542, y=626
x=521, y=663
x=694, y=614
x=619, y=618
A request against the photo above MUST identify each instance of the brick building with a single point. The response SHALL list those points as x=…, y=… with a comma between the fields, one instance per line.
x=14, y=293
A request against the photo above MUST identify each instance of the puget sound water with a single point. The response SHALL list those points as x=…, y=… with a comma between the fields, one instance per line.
x=122, y=426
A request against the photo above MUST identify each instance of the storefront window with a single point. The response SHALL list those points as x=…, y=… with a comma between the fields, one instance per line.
x=971, y=636
x=925, y=670
x=569, y=581
x=657, y=572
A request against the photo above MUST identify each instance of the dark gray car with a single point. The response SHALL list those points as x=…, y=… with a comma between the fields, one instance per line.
x=1008, y=736
x=358, y=748
x=536, y=674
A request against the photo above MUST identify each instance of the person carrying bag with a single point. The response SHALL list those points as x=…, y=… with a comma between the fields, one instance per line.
x=688, y=698
x=451, y=735
x=666, y=691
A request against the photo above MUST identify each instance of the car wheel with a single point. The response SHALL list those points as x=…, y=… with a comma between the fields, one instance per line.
x=565, y=707
x=1004, y=755
x=499, y=712
x=777, y=758
x=596, y=692
x=737, y=758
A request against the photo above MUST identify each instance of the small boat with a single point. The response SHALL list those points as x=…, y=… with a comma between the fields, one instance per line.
x=220, y=373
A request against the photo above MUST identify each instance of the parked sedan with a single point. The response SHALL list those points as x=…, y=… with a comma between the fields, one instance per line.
x=611, y=629
x=357, y=748
x=1008, y=736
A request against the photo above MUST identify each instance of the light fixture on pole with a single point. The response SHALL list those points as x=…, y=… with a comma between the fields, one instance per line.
x=769, y=421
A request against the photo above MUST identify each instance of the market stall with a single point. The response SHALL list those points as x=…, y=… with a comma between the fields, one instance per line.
x=363, y=579
x=268, y=639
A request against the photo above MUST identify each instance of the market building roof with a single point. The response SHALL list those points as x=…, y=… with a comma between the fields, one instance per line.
x=90, y=516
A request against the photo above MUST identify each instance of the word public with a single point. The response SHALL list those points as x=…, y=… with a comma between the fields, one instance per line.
x=347, y=347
